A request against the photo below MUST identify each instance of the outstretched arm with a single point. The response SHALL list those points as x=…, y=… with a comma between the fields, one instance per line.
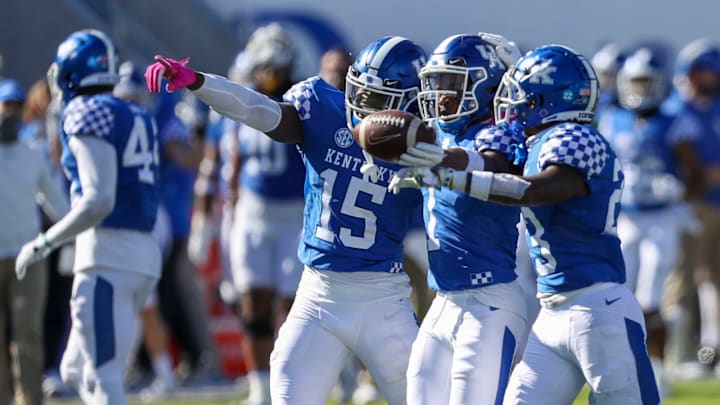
x=556, y=184
x=280, y=121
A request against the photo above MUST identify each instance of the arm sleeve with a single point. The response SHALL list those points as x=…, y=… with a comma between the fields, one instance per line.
x=50, y=197
x=97, y=170
x=240, y=103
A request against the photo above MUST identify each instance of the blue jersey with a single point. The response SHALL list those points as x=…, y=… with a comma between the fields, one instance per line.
x=176, y=182
x=129, y=129
x=351, y=223
x=269, y=168
x=471, y=243
x=574, y=244
x=645, y=152
x=702, y=127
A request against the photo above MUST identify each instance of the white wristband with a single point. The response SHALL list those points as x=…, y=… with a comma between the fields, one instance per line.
x=476, y=161
x=481, y=185
x=476, y=184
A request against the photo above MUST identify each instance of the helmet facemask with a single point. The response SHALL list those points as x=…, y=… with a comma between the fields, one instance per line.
x=365, y=94
x=459, y=83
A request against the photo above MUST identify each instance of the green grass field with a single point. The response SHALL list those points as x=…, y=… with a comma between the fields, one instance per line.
x=700, y=392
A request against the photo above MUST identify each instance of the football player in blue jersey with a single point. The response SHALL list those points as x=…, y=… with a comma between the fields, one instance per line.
x=353, y=296
x=697, y=105
x=110, y=155
x=653, y=215
x=590, y=328
x=268, y=177
x=467, y=341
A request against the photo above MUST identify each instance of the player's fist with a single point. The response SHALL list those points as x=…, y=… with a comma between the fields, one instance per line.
x=177, y=74
x=420, y=177
x=31, y=252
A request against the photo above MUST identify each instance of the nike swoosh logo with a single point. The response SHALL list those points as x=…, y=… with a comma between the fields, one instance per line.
x=377, y=141
x=609, y=302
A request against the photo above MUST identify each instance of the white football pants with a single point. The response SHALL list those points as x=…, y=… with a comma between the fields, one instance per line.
x=104, y=308
x=650, y=246
x=597, y=337
x=464, y=351
x=334, y=316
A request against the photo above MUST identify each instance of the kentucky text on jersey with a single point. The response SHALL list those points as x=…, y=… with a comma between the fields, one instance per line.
x=351, y=223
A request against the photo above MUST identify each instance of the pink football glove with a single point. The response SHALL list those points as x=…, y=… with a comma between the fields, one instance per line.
x=175, y=72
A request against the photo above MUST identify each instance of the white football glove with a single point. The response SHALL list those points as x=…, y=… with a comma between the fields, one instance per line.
x=506, y=50
x=422, y=154
x=420, y=177
x=31, y=252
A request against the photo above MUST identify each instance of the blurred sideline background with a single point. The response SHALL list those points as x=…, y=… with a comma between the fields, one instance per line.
x=212, y=31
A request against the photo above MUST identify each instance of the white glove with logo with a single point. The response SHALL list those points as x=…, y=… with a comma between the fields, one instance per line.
x=31, y=252
x=420, y=177
x=506, y=50
x=422, y=154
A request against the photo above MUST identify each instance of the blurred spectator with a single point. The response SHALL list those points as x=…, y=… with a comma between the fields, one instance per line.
x=697, y=79
x=334, y=64
x=24, y=179
x=39, y=130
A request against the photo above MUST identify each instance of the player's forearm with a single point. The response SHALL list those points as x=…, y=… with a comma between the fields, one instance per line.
x=490, y=161
x=238, y=102
x=487, y=186
x=52, y=200
x=97, y=169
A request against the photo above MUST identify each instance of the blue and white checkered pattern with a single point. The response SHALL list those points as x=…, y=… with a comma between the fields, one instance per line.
x=87, y=116
x=396, y=267
x=496, y=138
x=299, y=95
x=575, y=145
x=484, y=277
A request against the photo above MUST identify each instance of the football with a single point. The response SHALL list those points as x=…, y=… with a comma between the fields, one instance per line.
x=387, y=134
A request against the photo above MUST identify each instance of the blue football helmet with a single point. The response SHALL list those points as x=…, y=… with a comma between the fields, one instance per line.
x=86, y=58
x=702, y=53
x=643, y=81
x=463, y=67
x=607, y=62
x=553, y=83
x=384, y=76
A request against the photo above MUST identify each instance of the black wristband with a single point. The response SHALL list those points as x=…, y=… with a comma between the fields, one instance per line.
x=199, y=81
